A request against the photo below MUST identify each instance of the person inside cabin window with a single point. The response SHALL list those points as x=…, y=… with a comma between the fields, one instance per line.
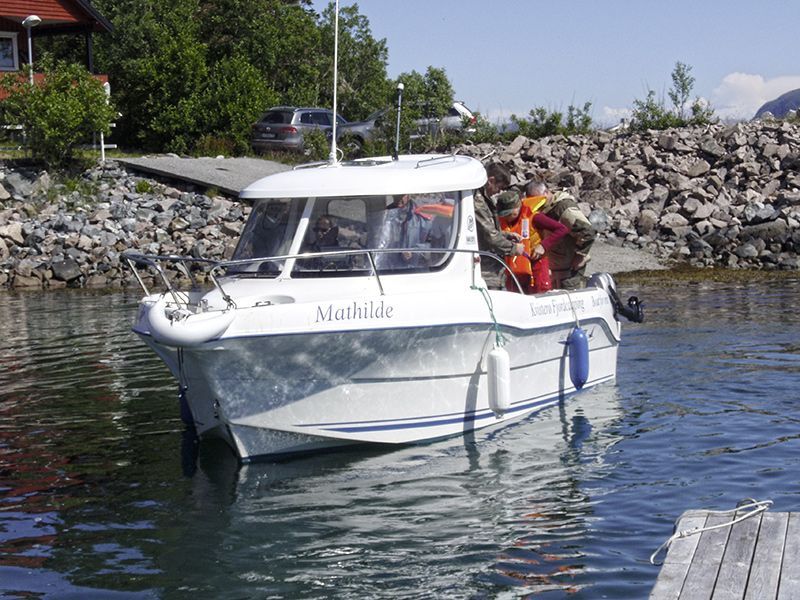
x=326, y=234
x=404, y=226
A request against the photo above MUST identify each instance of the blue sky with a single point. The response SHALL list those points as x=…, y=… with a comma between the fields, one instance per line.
x=508, y=56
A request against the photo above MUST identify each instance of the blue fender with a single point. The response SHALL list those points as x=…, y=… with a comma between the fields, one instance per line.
x=578, y=350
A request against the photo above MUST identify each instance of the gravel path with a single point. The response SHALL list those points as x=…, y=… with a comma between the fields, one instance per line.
x=612, y=259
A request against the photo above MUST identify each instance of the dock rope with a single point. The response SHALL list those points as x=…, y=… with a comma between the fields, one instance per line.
x=754, y=507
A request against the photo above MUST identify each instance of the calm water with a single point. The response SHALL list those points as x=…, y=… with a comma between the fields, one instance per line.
x=103, y=495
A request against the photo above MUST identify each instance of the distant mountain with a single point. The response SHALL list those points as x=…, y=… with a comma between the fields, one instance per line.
x=781, y=105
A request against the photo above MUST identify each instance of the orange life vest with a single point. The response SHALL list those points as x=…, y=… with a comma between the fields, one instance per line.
x=536, y=274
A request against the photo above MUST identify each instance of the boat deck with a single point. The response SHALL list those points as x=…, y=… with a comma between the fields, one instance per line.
x=754, y=559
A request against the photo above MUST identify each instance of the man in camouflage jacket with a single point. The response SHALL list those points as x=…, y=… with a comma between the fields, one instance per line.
x=490, y=237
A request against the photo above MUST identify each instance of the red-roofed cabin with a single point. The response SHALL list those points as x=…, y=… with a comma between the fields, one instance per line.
x=58, y=17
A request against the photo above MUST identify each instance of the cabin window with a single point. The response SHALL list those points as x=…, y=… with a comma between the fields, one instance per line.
x=268, y=232
x=9, y=57
x=403, y=231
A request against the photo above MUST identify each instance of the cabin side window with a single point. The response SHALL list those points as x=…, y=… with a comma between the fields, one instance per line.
x=268, y=232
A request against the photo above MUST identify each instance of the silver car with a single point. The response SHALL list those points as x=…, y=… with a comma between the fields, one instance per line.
x=282, y=127
x=459, y=120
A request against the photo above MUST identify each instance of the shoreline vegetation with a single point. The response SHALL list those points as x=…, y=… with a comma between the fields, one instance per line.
x=712, y=202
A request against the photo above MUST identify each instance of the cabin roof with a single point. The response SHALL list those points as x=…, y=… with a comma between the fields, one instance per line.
x=412, y=174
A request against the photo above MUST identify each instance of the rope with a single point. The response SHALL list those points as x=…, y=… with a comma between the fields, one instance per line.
x=572, y=308
x=755, y=507
x=499, y=339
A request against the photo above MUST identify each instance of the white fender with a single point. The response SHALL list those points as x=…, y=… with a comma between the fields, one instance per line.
x=498, y=373
x=188, y=329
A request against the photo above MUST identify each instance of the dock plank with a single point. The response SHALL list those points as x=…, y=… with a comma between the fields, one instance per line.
x=755, y=559
x=790, y=574
x=735, y=569
x=767, y=558
x=679, y=556
x=702, y=576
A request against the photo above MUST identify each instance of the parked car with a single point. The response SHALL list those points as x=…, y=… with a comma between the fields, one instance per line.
x=282, y=127
x=453, y=122
x=356, y=133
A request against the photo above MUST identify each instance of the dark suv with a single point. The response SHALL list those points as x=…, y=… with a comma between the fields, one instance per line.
x=282, y=127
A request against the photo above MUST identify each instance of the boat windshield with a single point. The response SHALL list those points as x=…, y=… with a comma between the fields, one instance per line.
x=403, y=229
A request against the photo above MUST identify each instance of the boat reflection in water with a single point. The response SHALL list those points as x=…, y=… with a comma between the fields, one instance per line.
x=509, y=507
x=354, y=312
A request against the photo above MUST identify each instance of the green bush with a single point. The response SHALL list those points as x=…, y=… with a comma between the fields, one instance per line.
x=652, y=113
x=542, y=122
x=66, y=109
x=213, y=145
x=316, y=145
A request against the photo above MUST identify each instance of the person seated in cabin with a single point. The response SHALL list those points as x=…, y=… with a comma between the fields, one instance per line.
x=537, y=233
x=323, y=237
x=326, y=234
x=404, y=226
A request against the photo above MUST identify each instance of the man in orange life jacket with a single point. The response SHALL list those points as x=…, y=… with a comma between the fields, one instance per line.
x=532, y=268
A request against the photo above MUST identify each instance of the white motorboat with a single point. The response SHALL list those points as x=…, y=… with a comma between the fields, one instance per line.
x=353, y=311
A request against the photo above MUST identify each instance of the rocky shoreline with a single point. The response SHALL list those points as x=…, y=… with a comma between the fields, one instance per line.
x=715, y=196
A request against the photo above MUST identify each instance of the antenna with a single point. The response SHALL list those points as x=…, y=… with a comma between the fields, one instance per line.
x=332, y=157
x=400, y=88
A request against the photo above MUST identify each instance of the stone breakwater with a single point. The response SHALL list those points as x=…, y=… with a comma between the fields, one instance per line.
x=58, y=235
x=725, y=196
x=719, y=195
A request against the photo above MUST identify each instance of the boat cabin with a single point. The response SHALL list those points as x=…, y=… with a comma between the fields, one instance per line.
x=395, y=214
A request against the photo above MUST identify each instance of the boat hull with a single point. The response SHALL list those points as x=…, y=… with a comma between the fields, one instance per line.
x=281, y=393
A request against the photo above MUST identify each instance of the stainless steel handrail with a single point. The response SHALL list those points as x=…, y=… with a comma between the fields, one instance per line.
x=153, y=260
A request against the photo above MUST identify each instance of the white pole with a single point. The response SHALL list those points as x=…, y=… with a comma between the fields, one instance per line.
x=335, y=79
x=29, y=23
x=30, y=57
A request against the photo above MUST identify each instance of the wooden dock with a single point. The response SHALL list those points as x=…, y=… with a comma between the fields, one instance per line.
x=755, y=559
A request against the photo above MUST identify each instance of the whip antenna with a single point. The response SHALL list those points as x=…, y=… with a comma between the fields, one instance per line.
x=335, y=79
x=400, y=87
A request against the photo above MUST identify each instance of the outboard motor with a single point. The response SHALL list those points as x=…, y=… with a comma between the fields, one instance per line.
x=633, y=311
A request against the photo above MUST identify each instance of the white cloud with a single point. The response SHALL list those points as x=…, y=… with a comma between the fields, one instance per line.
x=498, y=116
x=740, y=95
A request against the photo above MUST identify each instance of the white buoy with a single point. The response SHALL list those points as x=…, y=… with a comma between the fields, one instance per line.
x=498, y=371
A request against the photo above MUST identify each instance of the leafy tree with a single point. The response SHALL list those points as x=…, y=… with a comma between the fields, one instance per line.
x=363, y=85
x=682, y=85
x=232, y=99
x=652, y=113
x=281, y=39
x=156, y=64
x=67, y=108
x=427, y=96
